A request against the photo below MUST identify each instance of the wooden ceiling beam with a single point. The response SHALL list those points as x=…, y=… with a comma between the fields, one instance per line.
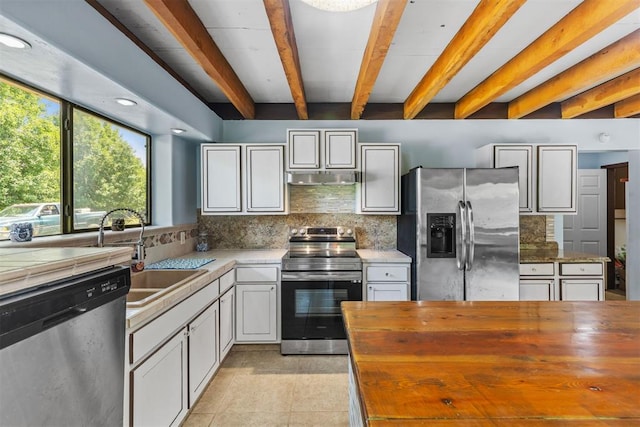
x=606, y=94
x=585, y=21
x=383, y=28
x=483, y=23
x=279, y=15
x=612, y=61
x=627, y=107
x=182, y=21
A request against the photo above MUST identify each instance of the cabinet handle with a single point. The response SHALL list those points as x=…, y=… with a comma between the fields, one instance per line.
x=186, y=334
x=272, y=288
x=370, y=288
x=581, y=269
x=386, y=274
x=533, y=269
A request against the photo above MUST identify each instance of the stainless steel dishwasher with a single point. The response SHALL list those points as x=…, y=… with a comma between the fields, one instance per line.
x=62, y=352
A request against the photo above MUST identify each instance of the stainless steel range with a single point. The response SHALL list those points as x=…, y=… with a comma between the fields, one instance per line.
x=321, y=270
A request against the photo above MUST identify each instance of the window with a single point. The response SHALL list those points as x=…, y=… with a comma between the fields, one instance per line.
x=104, y=163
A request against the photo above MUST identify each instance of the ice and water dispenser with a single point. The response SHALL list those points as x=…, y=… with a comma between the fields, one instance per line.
x=441, y=229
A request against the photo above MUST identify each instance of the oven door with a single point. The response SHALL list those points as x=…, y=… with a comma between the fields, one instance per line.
x=311, y=303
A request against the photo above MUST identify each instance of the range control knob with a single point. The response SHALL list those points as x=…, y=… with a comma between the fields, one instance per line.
x=303, y=231
x=349, y=232
x=340, y=231
x=294, y=231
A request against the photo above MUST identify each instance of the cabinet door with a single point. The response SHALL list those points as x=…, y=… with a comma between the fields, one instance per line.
x=227, y=322
x=221, y=181
x=379, y=191
x=537, y=290
x=203, y=350
x=159, y=386
x=304, y=149
x=520, y=156
x=557, y=176
x=256, y=313
x=340, y=149
x=387, y=292
x=265, y=178
x=582, y=290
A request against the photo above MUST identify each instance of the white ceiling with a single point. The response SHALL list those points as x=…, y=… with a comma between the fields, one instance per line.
x=80, y=55
x=331, y=46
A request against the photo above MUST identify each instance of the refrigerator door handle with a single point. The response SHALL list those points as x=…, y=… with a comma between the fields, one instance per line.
x=472, y=237
x=461, y=254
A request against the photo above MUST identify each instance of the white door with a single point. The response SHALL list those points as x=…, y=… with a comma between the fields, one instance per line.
x=379, y=191
x=265, y=178
x=226, y=322
x=256, y=313
x=557, y=178
x=203, y=350
x=387, y=292
x=587, y=231
x=159, y=386
x=220, y=178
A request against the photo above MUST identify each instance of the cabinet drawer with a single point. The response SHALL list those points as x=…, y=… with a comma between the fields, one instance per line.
x=226, y=281
x=583, y=269
x=389, y=273
x=537, y=269
x=154, y=333
x=256, y=274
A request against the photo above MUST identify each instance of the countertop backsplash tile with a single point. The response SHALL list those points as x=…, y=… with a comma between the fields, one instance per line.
x=271, y=231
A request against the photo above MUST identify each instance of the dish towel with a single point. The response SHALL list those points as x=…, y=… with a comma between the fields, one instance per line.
x=180, y=264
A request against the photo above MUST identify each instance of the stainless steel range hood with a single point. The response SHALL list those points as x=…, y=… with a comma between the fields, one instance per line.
x=322, y=178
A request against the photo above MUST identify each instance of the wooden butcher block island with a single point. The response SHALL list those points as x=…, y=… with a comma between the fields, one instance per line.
x=452, y=363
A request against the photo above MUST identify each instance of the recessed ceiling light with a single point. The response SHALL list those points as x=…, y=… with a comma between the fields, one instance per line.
x=339, y=5
x=13, y=41
x=126, y=102
x=177, y=131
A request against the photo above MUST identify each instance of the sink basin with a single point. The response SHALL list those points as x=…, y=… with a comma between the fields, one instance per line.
x=149, y=285
x=160, y=279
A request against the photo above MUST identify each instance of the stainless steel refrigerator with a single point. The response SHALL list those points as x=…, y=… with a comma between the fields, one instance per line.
x=461, y=229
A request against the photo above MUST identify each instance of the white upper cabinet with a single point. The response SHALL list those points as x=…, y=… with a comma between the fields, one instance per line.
x=520, y=156
x=547, y=174
x=221, y=183
x=243, y=179
x=304, y=149
x=340, y=149
x=557, y=176
x=379, y=191
x=316, y=149
x=266, y=187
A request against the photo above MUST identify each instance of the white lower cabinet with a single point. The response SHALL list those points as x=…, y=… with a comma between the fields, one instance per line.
x=257, y=295
x=227, y=322
x=387, y=281
x=537, y=290
x=159, y=384
x=171, y=359
x=256, y=307
x=562, y=281
x=387, y=292
x=582, y=290
x=203, y=350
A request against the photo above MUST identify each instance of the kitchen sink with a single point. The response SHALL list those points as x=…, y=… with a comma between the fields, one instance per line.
x=149, y=285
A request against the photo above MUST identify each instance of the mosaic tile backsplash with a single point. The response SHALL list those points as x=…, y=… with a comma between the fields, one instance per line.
x=271, y=231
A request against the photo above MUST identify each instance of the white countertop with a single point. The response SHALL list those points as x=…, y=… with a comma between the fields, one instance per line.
x=23, y=268
x=390, y=256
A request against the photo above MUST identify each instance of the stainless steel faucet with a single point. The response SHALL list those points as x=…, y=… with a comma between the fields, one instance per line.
x=139, y=254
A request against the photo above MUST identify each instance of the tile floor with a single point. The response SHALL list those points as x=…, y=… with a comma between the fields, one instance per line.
x=256, y=386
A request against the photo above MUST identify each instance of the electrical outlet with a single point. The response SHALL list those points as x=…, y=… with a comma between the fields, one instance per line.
x=182, y=237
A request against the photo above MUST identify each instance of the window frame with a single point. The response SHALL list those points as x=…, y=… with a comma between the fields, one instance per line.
x=67, y=205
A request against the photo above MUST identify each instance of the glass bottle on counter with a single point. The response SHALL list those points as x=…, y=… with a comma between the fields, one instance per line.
x=203, y=242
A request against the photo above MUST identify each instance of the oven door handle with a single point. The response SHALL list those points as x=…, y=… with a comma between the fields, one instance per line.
x=355, y=277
